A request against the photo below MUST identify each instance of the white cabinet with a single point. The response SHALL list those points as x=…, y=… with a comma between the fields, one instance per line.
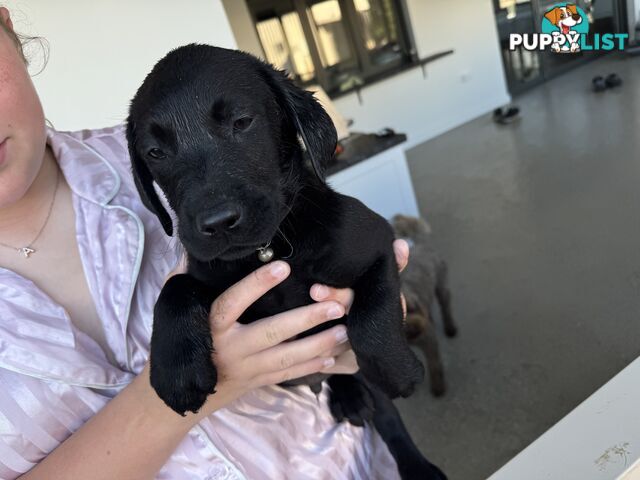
x=382, y=182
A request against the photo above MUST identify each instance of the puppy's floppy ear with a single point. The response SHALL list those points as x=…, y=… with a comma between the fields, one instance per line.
x=310, y=120
x=553, y=15
x=144, y=182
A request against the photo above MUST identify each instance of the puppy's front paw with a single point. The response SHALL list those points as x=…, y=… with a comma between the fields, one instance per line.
x=182, y=371
x=350, y=399
x=396, y=376
x=184, y=385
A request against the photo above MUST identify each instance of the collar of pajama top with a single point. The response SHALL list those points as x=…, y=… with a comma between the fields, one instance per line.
x=38, y=337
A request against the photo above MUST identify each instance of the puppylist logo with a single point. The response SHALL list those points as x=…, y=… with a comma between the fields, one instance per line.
x=564, y=30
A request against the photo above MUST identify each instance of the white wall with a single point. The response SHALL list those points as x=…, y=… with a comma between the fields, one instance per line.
x=458, y=88
x=102, y=50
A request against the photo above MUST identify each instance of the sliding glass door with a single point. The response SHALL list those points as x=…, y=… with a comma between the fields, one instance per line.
x=523, y=68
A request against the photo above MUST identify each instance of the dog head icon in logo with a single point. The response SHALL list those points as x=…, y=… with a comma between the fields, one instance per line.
x=566, y=22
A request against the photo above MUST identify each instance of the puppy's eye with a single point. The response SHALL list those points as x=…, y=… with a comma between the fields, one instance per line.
x=242, y=123
x=156, y=153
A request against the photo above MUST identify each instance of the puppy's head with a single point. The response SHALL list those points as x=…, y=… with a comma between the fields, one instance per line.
x=218, y=131
x=410, y=227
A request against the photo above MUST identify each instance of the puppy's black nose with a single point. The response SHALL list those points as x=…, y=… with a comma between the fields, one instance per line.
x=223, y=218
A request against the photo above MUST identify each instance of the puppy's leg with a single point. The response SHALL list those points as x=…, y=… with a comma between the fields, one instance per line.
x=375, y=330
x=444, y=300
x=414, y=323
x=388, y=422
x=182, y=371
x=428, y=343
x=350, y=399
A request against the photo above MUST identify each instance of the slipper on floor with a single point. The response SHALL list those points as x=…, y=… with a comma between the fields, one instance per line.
x=504, y=116
x=613, y=80
x=599, y=84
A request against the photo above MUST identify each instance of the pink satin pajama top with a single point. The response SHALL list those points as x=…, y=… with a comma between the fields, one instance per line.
x=53, y=377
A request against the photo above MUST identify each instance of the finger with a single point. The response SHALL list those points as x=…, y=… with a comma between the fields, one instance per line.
x=236, y=299
x=271, y=331
x=296, y=371
x=321, y=292
x=337, y=350
x=288, y=354
x=401, y=249
x=345, y=364
x=403, y=302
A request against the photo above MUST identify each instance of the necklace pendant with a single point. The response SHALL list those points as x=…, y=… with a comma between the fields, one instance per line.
x=26, y=251
x=265, y=255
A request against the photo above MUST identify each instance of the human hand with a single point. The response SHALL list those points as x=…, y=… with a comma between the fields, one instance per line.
x=261, y=353
x=346, y=362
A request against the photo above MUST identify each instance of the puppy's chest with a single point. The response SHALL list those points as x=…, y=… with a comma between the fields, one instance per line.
x=293, y=292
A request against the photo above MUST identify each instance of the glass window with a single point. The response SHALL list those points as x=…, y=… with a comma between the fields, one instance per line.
x=339, y=44
x=379, y=30
x=330, y=33
x=302, y=62
x=285, y=46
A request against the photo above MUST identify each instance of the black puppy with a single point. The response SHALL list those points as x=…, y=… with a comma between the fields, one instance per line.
x=218, y=131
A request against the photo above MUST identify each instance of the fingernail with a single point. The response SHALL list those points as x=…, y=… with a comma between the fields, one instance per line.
x=321, y=292
x=278, y=270
x=341, y=335
x=329, y=362
x=335, y=311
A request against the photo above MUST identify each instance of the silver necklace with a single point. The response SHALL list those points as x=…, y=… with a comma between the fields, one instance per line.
x=266, y=253
x=28, y=249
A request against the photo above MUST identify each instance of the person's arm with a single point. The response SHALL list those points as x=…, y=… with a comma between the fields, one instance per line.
x=130, y=438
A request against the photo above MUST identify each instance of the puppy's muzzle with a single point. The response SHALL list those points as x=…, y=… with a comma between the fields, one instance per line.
x=219, y=220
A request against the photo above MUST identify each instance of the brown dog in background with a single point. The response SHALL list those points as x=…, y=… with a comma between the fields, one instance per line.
x=423, y=282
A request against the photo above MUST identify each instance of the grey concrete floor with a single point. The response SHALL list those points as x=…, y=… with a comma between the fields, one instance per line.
x=539, y=223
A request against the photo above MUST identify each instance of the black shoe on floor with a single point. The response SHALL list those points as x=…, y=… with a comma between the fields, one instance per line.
x=599, y=84
x=613, y=80
x=506, y=115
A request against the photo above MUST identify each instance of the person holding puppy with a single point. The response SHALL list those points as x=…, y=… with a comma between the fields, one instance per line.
x=81, y=264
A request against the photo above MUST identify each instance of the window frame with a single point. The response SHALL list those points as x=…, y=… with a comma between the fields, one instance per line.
x=365, y=69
